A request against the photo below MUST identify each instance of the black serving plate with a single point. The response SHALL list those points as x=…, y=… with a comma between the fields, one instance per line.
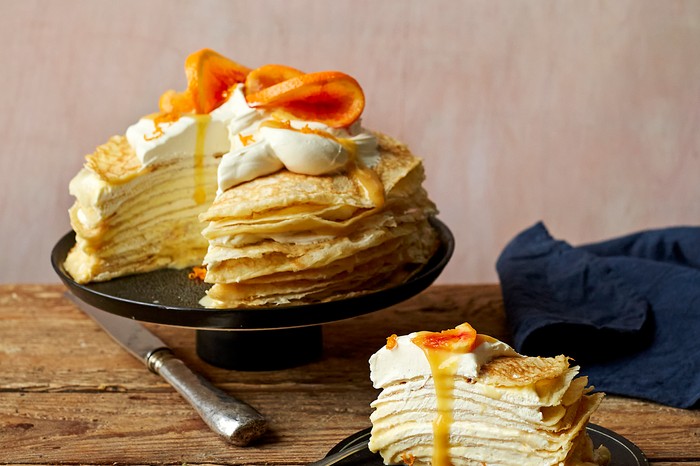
x=622, y=451
x=169, y=297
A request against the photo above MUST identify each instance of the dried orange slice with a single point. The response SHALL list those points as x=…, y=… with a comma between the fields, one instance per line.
x=209, y=78
x=269, y=75
x=176, y=102
x=330, y=97
x=457, y=340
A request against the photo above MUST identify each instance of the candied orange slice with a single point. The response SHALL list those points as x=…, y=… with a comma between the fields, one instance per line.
x=269, y=75
x=460, y=339
x=330, y=97
x=209, y=78
x=176, y=102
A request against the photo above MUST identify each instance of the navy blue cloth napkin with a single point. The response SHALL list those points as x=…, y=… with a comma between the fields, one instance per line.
x=627, y=310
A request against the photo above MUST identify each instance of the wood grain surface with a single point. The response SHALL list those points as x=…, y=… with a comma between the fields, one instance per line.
x=580, y=114
x=70, y=395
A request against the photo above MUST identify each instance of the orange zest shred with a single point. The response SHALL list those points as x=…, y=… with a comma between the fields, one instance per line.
x=158, y=120
x=197, y=273
x=460, y=339
x=408, y=458
x=391, y=342
x=330, y=97
x=246, y=140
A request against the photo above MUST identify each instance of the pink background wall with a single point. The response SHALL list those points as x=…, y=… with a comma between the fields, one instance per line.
x=585, y=115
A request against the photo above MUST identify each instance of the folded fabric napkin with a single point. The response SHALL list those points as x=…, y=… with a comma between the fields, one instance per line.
x=627, y=310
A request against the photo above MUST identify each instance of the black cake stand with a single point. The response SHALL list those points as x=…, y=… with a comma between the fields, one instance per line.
x=244, y=339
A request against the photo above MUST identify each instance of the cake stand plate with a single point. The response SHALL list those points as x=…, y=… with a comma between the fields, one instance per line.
x=246, y=339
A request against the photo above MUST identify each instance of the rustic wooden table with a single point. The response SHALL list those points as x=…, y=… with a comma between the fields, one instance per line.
x=70, y=395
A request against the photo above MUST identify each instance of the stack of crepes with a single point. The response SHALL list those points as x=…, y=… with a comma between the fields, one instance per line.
x=136, y=211
x=138, y=196
x=288, y=237
x=458, y=398
x=267, y=178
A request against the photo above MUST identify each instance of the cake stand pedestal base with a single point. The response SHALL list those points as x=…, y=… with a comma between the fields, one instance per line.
x=259, y=350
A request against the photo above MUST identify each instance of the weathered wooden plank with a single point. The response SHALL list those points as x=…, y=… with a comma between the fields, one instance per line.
x=661, y=432
x=161, y=428
x=69, y=394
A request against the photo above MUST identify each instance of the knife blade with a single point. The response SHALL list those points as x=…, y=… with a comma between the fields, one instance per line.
x=237, y=422
x=336, y=458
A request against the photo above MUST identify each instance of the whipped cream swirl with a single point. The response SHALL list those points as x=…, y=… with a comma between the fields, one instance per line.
x=262, y=144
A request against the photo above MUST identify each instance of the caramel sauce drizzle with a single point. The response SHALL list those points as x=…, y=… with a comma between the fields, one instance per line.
x=200, y=193
x=441, y=350
x=444, y=367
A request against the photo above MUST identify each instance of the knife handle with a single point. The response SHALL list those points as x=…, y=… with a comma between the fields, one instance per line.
x=237, y=422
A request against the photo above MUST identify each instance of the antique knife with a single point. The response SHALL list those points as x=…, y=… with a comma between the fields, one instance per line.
x=237, y=422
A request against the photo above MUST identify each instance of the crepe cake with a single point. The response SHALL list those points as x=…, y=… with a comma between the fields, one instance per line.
x=461, y=398
x=264, y=176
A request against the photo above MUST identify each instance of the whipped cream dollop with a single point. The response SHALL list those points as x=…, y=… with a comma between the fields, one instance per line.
x=405, y=360
x=262, y=144
x=159, y=142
